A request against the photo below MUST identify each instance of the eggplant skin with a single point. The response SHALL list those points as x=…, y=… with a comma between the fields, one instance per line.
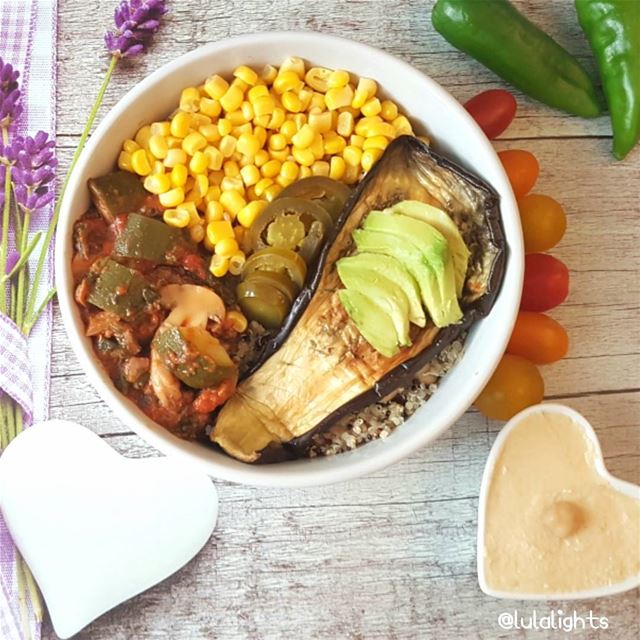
x=409, y=169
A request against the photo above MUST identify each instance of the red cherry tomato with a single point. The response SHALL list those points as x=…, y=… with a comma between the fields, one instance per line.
x=515, y=385
x=546, y=282
x=522, y=170
x=538, y=338
x=493, y=110
x=543, y=222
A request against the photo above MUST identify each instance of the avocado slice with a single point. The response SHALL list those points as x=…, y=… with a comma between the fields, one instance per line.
x=433, y=248
x=386, y=294
x=393, y=270
x=447, y=227
x=372, y=321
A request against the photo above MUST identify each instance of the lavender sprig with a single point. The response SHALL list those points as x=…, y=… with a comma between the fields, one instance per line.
x=33, y=171
x=10, y=106
x=136, y=22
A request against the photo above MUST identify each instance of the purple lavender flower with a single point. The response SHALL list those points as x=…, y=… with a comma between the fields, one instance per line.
x=136, y=22
x=10, y=107
x=33, y=169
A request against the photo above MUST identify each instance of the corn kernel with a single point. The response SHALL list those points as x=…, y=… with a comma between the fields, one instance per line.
x=158, y=146
x=213, y=193
x=262, y=121
x=289, y=171
x=259, y=91
x=261, y=186
x=236, y=118
x=305, y=96
x=236, y=132
x=157, y=167
x=239, y=232
x=370, y=157
x=219, y=266
x=338, y=97
x=250, y=174
x=305, y=172
x=277, y=142
x=247, y=111
x=269, y=73
x=227, y=247
x=304, y=137
x=288, y=129
x=260, y=133
x=143, y=135
x=318, y=78
x=190, y=99
x=271, y=169
x=286, y=81
x=388, y=110
x=232, y=183
x=272, y=192
x=375, y=142
x=282, y=155
x=364, y=124
x=210, y=132
x=382, y=129
x=200, y=187
x=345, y=124
x=214, y=158
x=216, y=176
x=190, y=208
x=224, y=126
x=175, y=157
x=291, y=102
x=261, y=158
x=219, y=230
x=357, y=141
x=366, y=89
x=180, y=124
x=317, y=101
x=336, y=168
x=231, y=169
x=248, y=214
x=197, y=233
x=199, y=163
x=232, y=98
x=317, y=148
x=402, y=125
x=304, y=157
x=216, y=87
x=351, y=174
x=333, y=143
x=198, y=119
x=157, y=183
x=232, y=201
x=176, y=218
x=352, y=155
x=227, y=146
x=140, y=162
x=173, y=142
x=320, y=168
x=248, y=145
x=172, y=198
x=246, y=74
x=194, y=142
x=300, y=120
x=320, y=122
x=210, y=107
x=235, y=318
x=214, y=211
x=124, y=161
x=130, y=146
x=293, y=64
x=161, y=128
x=371, y=107
x=277, y=118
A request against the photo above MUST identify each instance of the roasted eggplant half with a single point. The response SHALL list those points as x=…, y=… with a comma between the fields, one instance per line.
x=319, y=367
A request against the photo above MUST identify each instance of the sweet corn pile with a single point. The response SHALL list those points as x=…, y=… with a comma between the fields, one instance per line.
x=231, y=147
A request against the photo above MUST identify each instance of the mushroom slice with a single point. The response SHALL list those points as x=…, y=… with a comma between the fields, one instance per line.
x=191, y=305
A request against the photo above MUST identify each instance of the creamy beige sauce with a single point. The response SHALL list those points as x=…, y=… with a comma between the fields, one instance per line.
x=553, y=523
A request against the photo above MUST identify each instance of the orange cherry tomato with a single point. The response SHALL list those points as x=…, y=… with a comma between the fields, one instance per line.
x=515, y=385
x=522, y=170
x=538, y=338
x=543, y=222
x=493, y=110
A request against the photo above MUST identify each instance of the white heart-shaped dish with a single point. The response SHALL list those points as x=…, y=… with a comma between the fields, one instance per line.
x=593, y=460
x=94, y=527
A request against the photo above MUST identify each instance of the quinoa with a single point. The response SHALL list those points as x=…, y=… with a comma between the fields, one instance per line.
x=377, y=421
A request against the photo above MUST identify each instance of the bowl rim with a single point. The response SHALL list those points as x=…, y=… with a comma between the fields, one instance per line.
x=286, y=474
x=624, y=487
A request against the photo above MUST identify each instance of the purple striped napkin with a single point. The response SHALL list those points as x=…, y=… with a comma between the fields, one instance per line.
x=28, y=33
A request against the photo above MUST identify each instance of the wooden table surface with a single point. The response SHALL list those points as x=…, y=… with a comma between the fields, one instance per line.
x=391, y=555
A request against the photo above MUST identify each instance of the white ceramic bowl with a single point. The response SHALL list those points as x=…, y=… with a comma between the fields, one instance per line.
x=430, y=108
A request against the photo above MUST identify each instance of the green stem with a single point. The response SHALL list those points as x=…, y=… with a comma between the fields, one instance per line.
x=35, y=285
x=29, y=324
x=4, y=243
x=20, y=285
x=4, y=426
x=23, y=258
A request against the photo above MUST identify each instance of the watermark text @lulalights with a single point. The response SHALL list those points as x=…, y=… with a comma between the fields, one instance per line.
x=558, y=619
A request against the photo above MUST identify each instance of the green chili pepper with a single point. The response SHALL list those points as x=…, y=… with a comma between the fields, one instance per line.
x=613, y=30
x=495, y=34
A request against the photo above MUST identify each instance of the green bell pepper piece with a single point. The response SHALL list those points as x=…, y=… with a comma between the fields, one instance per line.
x=613, y=30
x=502, y=39
x=116, y=193
x=145, y=238
x=121, y=290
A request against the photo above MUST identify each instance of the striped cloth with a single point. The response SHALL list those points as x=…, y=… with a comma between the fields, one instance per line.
x=28, y=33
